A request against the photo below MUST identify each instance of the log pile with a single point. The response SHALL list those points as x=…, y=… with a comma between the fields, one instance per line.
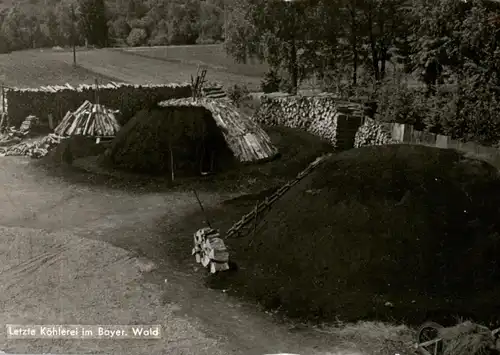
x=89, y=120
x=8, y=140
x=11, y=132
x=28, y=123
x=59, y=99
x=315, y=114
x=4, y=121
x=35, y=149
x=210, y=251
x=373, y=133
x=250, y=219
x=247, y=140
x=214, y=92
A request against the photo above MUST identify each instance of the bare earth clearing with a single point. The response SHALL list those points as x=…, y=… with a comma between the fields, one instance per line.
x=72, y=253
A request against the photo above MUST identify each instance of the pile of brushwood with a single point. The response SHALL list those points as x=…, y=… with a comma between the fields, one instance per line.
x=393, y=232
x=35, y=148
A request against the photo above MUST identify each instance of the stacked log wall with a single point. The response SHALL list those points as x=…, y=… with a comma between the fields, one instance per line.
x=325, y=116
x=57, y=101
x=376, y=132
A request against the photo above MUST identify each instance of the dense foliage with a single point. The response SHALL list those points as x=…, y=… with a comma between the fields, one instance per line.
x=432, y=63
x=110, y=22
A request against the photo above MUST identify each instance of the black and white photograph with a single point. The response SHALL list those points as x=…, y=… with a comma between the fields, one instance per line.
x=250, y=177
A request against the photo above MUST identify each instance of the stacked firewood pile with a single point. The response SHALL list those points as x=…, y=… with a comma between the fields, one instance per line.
x=213, y=91
x=28, y=123
x=9, y=137
x=89, y=120
x=210, y=251
x=35, y=149
x=316, y=114
x=59, y=99
x=373, y=133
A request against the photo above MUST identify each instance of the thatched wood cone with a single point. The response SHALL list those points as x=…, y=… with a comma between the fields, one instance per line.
x=89, y=119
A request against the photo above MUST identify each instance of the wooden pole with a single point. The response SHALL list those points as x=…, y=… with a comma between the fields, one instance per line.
x=96, y=92
x=202, y=209
x=171, y=161
x=3, y=98
x=1, y=121
x=74, y=54
x=225, y=22
x=73, y=34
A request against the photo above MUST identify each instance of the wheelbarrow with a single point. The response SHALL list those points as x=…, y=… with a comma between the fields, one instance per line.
x=429, y=341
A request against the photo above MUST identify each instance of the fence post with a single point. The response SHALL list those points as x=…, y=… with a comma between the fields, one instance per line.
x=3, y=98
x=96, y=100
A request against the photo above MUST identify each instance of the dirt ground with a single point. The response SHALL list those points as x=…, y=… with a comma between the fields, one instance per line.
x=74, y=251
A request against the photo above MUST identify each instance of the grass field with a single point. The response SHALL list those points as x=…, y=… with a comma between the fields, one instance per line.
x=212, y=56
x=33, y=68
x=49, y=67
x=141, y=65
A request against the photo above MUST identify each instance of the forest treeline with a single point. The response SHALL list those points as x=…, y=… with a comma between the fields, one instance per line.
x=111, y=23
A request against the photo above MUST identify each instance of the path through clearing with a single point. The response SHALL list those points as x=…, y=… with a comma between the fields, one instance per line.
x=73, y=253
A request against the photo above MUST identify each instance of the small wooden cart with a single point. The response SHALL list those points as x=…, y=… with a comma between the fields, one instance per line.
x=429, y=342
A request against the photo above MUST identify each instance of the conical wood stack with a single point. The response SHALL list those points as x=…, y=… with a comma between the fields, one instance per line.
x=89, y=120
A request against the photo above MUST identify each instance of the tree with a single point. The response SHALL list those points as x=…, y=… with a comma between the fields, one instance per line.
x=460, y=38
x=384, y=24
x=211, y=22
x=160, y=34
x=136, y=9
x=120, y=28
x=242, y=32
x=53, y=31
x=137, y=37
x=272, y=31
x=65, y=23
x=14, y=28
x=184, y=19
x=93, y=20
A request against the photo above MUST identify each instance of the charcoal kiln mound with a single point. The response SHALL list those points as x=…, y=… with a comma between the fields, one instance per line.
x=389, y=233
x=189, y=138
